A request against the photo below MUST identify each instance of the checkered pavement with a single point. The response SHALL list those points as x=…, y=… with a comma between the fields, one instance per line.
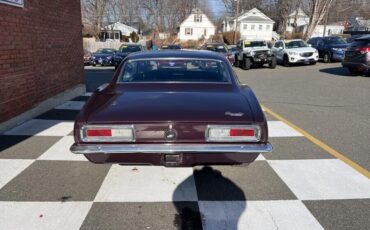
x=297, y=186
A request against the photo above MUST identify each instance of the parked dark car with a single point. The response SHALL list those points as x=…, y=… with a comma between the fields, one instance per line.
x=171, y=47
x=357, y=57
x=103, y=57
x=220, y=48
x=125, y=50
x=87, y=57
x=190, y=111
x=330, y=48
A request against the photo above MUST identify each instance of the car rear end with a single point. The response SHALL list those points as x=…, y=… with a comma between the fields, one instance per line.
x=357, y=55
x=200, y=117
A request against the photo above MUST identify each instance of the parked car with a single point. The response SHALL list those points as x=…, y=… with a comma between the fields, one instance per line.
x=125, y=50
x=219, y=48
x=198, y=114
x=87, y=57
x=330, y=48
x=103, y=57
x=171, y=47
x=357, y=56
x=232, y=49
x=254, y=53
x=295, y=51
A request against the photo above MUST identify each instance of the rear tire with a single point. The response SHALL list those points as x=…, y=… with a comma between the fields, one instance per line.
x=236, y=63
x=313, y=63
x=327, y=58
x=247, y=64
x=272, y=64
x=286, y=62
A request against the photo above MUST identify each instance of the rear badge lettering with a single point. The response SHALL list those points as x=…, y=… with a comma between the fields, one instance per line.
x=234, y=114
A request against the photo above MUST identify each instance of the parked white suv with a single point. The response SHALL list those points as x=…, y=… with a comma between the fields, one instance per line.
x=295, y=51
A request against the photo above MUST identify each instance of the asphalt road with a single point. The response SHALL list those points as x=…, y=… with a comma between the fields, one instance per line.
x=324, y=100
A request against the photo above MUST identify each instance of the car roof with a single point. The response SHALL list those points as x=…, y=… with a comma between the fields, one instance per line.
x=291, y=40
x=177, y=54
x=130, y=44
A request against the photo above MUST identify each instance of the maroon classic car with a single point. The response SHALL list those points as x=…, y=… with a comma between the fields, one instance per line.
x=172, y=108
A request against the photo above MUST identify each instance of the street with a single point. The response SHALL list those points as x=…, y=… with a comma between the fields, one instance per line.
x=316, y=177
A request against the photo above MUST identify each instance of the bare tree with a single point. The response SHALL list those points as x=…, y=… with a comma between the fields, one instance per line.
x=93, y=13
x=319, y=8
x=283, y=12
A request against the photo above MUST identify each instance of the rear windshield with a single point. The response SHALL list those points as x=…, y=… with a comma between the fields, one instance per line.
x=129, y=49
x=217, y=48
x=254, y=44
x=295, y=44
x=174, y=70
x=105, y=51
x=361, y=43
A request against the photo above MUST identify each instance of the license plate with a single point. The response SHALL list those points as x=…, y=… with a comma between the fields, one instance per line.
x=306, y=61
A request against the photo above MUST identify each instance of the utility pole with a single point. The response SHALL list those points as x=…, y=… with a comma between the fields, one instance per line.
x=236, y=20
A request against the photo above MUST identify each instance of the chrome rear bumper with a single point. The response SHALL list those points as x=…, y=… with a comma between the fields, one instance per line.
x=171, y=148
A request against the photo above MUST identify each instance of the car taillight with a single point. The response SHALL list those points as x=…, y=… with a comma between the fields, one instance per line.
x=225, y=133
x=102, y=133
x=363, y=50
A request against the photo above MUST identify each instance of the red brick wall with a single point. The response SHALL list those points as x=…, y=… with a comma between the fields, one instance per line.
x=40, y=53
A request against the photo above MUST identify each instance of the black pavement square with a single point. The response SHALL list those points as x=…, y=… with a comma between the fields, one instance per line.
x=25, y=147
x=153, y=215
x=81, y=98
x=341, y=214
x=56, y=181
x=59, y=114
x=257, y=181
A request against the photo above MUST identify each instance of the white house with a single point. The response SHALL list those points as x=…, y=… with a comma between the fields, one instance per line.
x=298, y=21
x=114, y=30
x=196, y=26
x=252, y=25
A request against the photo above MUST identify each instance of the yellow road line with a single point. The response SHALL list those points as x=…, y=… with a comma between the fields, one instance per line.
x=321, y=144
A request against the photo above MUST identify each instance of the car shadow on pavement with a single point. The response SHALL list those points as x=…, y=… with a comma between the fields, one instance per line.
x=214, y=193
x=340, y=71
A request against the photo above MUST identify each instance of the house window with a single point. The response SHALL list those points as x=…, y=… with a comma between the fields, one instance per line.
x=259, y=27
x=245, y=26
x=197, y=18
x=252, y=27
x=267, y=27
x=188, y=31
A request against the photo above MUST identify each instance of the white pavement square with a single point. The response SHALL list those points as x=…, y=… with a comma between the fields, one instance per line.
x=10, y=169
x=280, y=129
x=147, y=184
x=43, y=215
x=60, y=151
x=40, y=127
x=322, y=179
x=259, y=215
x=71, y=105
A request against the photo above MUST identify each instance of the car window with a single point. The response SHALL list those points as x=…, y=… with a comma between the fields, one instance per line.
x=106, y=51
x=129, y=49
x=174, y=70
x=217, y=48
x=334, y=40
x=360, y=43
x=254, y=44
x=295, y=44
x=278, y=44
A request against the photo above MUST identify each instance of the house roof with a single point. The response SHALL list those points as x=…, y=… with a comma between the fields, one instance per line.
x=117, y=25
x=299, y=13
x=197, y=11
x=255, y=15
